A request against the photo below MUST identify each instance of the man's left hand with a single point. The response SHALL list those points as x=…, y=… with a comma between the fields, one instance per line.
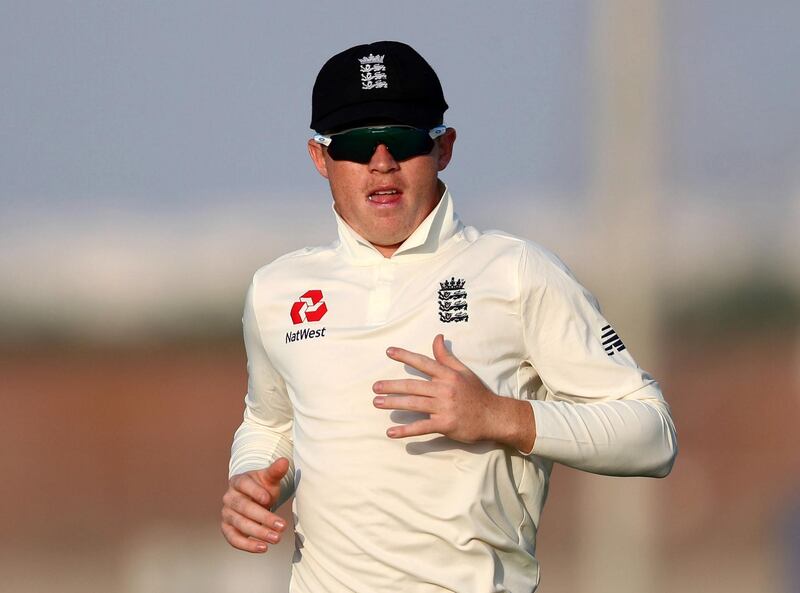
x=458, y=403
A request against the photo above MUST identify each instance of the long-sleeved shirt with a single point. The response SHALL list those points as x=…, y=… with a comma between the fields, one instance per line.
x=429, y=514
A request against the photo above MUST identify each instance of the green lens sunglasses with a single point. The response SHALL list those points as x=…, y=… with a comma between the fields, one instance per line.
x=359, y=144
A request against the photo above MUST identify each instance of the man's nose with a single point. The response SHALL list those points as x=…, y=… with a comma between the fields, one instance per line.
x=382, y=160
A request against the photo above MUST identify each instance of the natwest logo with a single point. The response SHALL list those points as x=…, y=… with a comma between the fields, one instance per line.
x=309, y=307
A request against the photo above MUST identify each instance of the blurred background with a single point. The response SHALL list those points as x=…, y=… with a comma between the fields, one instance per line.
x=152, y=157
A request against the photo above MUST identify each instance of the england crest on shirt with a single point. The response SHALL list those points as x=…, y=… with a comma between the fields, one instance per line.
x=453, y=301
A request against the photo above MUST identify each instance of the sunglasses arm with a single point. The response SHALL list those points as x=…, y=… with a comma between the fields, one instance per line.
x=437, y=131
x=433, y=133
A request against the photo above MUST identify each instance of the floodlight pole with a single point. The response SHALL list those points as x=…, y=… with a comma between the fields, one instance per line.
x=618, y=515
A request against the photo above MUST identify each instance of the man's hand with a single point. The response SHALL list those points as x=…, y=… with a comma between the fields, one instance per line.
x=460, y=406
x=247, y=523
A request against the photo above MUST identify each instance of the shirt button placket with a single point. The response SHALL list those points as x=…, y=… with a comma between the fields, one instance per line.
x=380, y=298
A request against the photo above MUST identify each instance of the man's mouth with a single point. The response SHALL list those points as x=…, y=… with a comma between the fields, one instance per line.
x=384, y=196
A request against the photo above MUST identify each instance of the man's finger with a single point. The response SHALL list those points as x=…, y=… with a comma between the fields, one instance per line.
x=407, y=386
x=444, y=356
x=419, y=361
x=246, y=526
x=246, y=484
x=412, y=403
x=241, y=542
x=414, y=429
x=247, y=508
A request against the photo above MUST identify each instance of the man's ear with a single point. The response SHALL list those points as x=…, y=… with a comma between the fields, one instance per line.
x=446, y=142
x=317, y=154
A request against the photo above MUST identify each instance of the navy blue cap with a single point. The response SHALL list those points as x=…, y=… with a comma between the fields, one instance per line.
x=376, y=83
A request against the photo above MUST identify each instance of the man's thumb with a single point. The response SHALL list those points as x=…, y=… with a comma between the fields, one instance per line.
x=276, y=470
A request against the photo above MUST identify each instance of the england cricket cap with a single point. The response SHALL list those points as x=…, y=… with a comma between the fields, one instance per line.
x=376, y=83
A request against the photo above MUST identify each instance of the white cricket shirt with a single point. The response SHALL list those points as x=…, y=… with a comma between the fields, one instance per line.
x=428, y=514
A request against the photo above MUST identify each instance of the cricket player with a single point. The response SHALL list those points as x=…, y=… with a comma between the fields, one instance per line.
x=413, y=382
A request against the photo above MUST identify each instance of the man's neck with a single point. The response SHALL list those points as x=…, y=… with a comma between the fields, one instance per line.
x=386, y=251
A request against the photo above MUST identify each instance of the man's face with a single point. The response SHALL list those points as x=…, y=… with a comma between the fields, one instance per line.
x=385, y=200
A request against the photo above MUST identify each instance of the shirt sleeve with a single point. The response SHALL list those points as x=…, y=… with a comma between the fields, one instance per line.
x=596, y=410
x=266, y=430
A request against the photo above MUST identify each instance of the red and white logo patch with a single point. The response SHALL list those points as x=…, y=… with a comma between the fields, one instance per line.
x=309, y=307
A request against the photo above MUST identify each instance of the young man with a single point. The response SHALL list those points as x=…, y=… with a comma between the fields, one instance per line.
x=413, y=382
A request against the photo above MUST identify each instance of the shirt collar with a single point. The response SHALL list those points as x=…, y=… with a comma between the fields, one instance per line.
x=432, y=233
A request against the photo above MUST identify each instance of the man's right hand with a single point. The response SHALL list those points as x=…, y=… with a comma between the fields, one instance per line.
x=247, y=522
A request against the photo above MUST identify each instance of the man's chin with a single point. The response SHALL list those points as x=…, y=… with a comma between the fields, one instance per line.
x=387, y=244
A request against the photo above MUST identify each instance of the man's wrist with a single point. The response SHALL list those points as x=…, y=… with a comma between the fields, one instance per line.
x=513, y=423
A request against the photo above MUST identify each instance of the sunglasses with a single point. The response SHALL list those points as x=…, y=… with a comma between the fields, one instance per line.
x=359, y=144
